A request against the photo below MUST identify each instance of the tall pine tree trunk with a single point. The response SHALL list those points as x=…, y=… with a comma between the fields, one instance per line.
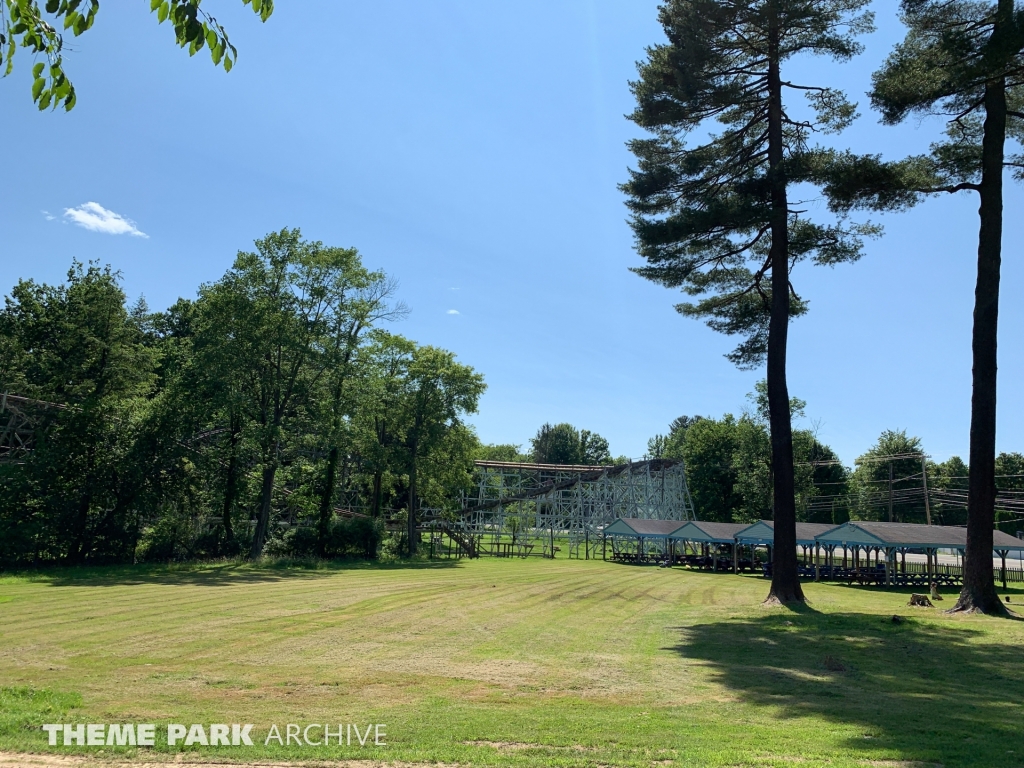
x=785, y=578
x=979, y=591
x=323, y=527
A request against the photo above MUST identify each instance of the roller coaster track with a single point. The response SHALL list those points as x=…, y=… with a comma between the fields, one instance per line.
x=584, y=473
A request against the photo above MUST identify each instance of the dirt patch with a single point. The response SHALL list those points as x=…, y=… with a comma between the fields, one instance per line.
x=18, y=760
x=505, y=746
x=515, y=746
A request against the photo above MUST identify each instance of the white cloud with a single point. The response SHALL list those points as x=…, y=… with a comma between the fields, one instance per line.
x=49, y=216
x=453, y=312
x=96, y=218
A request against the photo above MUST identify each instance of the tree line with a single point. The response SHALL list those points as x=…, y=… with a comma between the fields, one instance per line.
x=730, y=146
x=555, y=444
x=728, y=471
x=272, y=413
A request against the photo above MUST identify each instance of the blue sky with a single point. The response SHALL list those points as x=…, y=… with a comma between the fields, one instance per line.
x=473, y=150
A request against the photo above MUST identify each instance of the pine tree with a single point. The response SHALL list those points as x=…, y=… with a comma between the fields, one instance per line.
x=715, y=219
x=962, y=60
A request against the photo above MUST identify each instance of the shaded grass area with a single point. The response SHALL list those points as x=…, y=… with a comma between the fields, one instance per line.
x=512, y=663
x=924, y=690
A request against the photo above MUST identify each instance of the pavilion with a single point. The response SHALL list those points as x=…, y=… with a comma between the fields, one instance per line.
x=660, y=532
x=710, y=536
x=762, y=533
x=897, y=538
x=859, y=539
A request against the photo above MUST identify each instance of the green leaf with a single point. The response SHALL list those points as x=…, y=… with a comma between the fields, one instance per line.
x=69, y=102
x=154, y=4
x=228, y=64
x=37, y=88
x=257, y=5
x=37, y=70
x=52, y=6
x=161, y=14
x=45, y=101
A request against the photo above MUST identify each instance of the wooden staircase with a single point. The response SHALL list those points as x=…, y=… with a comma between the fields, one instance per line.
x=466, y=543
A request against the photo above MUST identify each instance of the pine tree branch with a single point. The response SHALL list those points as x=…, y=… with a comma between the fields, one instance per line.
x=788, y=84
x=951, y=189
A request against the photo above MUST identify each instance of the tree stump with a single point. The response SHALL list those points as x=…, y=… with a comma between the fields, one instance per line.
x=921, y=601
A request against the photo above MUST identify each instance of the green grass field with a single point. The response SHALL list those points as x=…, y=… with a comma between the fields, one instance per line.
x=512, y=662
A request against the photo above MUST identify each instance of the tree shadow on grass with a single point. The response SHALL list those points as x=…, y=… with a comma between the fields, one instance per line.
x=927, y=691
x=220, y=573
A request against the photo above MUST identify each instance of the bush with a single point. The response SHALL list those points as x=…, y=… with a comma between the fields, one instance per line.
x=359, y=536
x=392, y=547
x=355, y=537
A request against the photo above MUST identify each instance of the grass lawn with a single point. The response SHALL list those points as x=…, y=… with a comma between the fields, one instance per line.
x=512, y=662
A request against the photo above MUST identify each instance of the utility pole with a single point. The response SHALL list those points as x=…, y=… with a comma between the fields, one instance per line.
x=924, y=479
x=890, y=490
x=927, y=514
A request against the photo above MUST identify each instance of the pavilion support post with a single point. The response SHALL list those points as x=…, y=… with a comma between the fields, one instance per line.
x=1002, y=569
x=933, y=557
x=817, y=567
x=735, y=559
x=889, y=557
x=604, y=547
x=714, y=557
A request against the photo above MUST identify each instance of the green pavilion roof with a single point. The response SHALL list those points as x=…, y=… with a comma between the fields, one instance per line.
x=627, y=526
x=763, y=532
x=910, y=535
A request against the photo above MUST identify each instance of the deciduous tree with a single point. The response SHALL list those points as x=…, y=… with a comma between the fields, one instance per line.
x=36, y=26
x=564, y=444
x=439, y=393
